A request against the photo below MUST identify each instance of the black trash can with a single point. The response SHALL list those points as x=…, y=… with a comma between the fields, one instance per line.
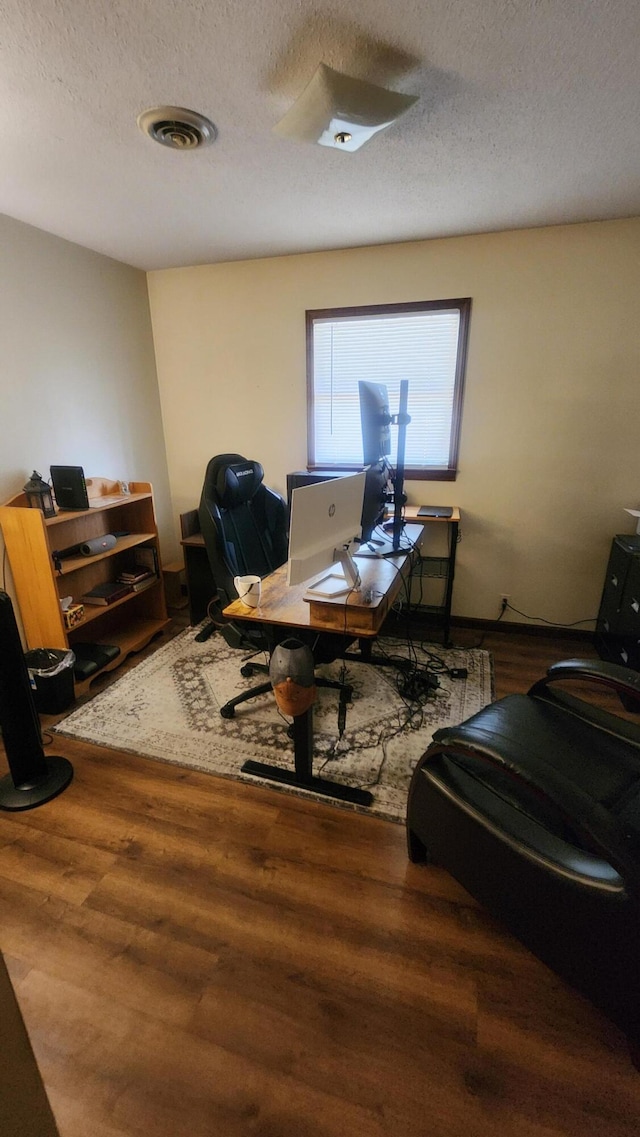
x=51, y=677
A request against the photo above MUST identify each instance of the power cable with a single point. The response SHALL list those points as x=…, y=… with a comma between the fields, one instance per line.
x=542, y=620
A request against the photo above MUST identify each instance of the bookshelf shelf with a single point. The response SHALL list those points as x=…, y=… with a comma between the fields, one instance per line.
x=76, y=564
x=95, y=611
x=69, y=516
x=31, y=539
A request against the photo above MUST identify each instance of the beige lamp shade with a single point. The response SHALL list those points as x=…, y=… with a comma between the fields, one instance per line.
x=338, y=111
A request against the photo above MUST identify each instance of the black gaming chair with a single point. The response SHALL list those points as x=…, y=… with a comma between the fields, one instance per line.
x=245, y=525
x=245, y=529
x=533, y=804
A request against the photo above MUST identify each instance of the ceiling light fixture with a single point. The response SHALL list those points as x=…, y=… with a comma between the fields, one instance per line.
x=177, y=127
x=336, y=110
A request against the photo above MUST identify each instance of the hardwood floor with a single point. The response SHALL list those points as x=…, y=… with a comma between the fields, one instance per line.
x=198, y=957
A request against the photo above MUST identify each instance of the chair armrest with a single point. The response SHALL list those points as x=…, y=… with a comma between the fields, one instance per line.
x=513, y=823
x=606, y=837
x=508, y=735
x=621, y=679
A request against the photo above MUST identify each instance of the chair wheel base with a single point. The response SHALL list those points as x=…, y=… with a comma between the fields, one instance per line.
x=227, y=712
x=205, y=633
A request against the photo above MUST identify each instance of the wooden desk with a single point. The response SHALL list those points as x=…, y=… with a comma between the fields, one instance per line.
x=430, y=566
x=411, y=514
x=359, y=614
x=201, y=588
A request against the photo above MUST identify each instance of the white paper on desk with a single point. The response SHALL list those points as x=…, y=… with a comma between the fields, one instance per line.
x=635, y=513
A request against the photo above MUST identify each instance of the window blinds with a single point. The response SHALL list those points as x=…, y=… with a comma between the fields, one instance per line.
x=420, y=347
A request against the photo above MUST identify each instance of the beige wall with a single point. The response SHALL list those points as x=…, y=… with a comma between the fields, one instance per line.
x=549, y=451
x=549, y=456
x=77, y=370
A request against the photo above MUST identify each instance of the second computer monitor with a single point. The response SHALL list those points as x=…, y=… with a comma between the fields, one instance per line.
x=375, y=421
x=375, y=497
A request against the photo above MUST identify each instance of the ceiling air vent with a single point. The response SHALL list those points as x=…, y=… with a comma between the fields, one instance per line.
x=177, y=127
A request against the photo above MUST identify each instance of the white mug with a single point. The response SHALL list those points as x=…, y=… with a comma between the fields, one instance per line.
x=248, y=589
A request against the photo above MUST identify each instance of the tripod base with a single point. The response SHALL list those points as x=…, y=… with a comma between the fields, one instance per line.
x=28, y=795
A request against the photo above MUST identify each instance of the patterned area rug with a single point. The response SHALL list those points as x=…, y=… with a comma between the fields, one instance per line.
x=168, y=707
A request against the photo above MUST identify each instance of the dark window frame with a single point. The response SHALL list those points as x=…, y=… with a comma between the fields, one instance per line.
x=463, y=304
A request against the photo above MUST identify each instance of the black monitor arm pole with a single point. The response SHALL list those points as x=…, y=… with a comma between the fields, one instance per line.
x=401, y=420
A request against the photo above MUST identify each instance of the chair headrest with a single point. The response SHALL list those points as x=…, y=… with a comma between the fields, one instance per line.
x=238, y=482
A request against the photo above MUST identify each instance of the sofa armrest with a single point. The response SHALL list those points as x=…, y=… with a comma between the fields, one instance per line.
x=614, y=675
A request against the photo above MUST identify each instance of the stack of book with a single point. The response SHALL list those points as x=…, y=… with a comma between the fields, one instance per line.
x=140, y=573
x=106, y=592
x=138, y=577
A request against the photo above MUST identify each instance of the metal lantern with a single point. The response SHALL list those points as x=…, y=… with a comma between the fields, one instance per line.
x=39, y=494
x=291, y=672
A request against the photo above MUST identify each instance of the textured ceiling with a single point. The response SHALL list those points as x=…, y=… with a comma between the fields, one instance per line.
x=528, y=115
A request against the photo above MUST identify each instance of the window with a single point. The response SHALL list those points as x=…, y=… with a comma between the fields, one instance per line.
x=425, y=343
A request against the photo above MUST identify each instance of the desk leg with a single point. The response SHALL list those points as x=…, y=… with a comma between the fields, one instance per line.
x=302, y=777
x=453, y=532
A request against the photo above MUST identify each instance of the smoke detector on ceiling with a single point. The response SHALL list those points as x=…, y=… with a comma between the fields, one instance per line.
x=177, y=127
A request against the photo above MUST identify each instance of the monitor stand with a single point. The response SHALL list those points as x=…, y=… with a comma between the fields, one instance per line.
x=387, y=547
x=337, y=581
x=327, y=586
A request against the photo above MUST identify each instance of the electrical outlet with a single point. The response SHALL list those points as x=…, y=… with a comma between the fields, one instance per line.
x=504, y=601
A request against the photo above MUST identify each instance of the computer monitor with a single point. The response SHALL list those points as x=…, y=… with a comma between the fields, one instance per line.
x=375, y=420
x=325, y=519
x=375, y=497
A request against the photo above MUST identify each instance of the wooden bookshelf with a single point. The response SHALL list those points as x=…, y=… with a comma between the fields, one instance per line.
x=31, y=539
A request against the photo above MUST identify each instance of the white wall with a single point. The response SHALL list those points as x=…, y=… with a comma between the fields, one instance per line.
x=549, y=450
x=77, y=368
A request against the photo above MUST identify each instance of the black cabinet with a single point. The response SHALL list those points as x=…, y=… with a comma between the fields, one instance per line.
x=617, y=636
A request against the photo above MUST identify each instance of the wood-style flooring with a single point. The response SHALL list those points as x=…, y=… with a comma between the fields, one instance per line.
x=200, y=958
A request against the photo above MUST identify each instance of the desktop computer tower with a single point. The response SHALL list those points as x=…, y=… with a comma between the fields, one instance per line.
x=304, y=478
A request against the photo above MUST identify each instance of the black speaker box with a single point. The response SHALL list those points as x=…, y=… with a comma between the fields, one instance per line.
x=33, y=778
